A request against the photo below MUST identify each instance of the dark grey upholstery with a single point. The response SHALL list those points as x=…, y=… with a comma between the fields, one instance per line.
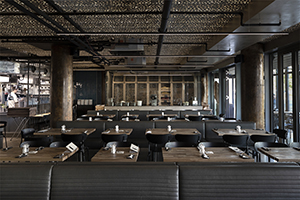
x=246, y=182
x=25, y=181
x=115, y=182
x=184, y=181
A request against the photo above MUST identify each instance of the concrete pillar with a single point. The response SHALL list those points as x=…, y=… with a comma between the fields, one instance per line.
x=61, y=84
x=252, y=85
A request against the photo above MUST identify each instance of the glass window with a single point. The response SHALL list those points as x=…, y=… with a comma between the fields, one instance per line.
x=216, y=92
x=177, y=94
x=118, y=78
x=165, y=78
x=142, y=78
x=130, y=93
x=230, y=93
x=177, y=78
x=153, y=78
x=153, y=94
x=275, y=91
x=118, y=93
x=188, y=78
x=189, y=92
x=142, y=92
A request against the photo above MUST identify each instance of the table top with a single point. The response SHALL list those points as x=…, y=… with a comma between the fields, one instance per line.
x=42, y=114
x=191, y=154
x=282, y=154
x=70, y=131
x=160, y=115
x=222, y=132
x=110, y=116
x=164, y=131
x=45, y=155
x=130, y=116
x=126, y=131
x=121, y=155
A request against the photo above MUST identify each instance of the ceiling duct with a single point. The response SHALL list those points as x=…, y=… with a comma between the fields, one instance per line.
x=128, y=50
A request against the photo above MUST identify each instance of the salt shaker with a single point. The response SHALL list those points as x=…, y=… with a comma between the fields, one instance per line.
x=113, y=148
x=63, y=128
x=25, y=149
x=238, y=129
x=169, y=128
x=90, y=119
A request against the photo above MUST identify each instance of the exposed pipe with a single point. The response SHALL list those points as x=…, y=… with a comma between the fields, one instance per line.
x=78, y=42
x=163, y=27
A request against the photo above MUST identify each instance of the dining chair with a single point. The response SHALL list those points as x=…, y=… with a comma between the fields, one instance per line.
x=27, y=135
x=36, y=143
x=177, y=144
x=240, y=141
x=155, y=143
x=281, y=134
x=77, y=139
x=190, y=139
x=214, y=144
x=259, y=138
x=295, y=144
x=58, y=144
x=266, y=144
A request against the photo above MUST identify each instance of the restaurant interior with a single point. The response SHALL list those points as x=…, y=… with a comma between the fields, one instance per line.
x=152, y=99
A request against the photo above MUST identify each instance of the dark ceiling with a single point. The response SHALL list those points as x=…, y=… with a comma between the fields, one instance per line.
x=142, y=34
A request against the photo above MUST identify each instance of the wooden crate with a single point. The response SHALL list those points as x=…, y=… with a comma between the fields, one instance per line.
x=22, y=112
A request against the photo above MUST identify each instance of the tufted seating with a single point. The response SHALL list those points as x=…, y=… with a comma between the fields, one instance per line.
x=163, y=181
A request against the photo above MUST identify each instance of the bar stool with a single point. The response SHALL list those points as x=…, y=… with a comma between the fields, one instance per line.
x=267, y=144
x=109, y=138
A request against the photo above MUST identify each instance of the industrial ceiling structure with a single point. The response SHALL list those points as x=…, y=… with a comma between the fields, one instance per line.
x=144, y=35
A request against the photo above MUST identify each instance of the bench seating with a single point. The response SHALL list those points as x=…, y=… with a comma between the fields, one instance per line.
x=163, y=181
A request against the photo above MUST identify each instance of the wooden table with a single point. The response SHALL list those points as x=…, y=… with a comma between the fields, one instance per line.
x=71, y=131
x=164, y=131
x=106, y=155
x=191, y=154
x=106, y=116
x=222, y=132
x=45, y=155
x=126, y=131
x=160, y=115
x=282, y=154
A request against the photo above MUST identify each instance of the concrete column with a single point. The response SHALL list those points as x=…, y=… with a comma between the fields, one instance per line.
x=61, y=84
x=252, y=85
